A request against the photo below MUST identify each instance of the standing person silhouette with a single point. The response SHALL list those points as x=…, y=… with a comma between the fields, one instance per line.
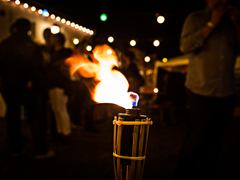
x=59, y=82
x=48, y=46
x=23, y=85
x=211, y=37
x=47, y=52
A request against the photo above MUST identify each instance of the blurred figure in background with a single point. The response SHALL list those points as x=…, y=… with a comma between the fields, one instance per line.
x=211, y=37
x=131, y=71
x=48, y=47
x=59, y=83
x=47, y=51
x=23, y=85
x=80, y=104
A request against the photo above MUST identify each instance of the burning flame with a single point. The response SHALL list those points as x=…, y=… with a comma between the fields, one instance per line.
x=111, y=86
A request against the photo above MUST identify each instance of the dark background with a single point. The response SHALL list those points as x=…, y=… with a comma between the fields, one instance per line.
x=129, y=19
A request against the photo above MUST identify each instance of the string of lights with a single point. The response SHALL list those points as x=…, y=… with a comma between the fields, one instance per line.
x=46, y=14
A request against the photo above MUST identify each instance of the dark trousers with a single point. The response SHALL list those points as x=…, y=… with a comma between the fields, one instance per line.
x=13, y=121
x=208, y=119
x=81, y=105
x=36, y=104
x=75, y=104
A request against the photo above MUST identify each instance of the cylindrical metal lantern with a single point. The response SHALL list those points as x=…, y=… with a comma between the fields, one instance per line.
x=130, y=139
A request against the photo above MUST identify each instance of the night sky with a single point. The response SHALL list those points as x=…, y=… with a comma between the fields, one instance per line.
x=131, y=19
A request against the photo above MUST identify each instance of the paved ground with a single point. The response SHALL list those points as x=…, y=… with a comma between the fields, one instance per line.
x=89, y=155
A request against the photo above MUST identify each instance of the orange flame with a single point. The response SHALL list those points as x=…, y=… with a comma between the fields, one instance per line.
x=83, y=66
x=111, y=86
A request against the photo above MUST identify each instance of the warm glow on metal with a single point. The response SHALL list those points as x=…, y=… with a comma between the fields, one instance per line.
x=110, y=39
x=89, y=48
x=133, y=43
x=164, y=60
x=156, y=43
x=147, y=59
x=76, y=41
x=160, y=19
x=55, y=29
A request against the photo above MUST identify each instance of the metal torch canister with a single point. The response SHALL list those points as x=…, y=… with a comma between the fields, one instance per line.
x=130, y=139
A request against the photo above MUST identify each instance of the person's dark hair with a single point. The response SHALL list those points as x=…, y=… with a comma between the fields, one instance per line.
x=60, y=38
x=21, y=25
x=47, y=33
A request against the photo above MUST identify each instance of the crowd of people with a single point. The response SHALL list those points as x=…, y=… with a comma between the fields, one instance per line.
x=35, y=83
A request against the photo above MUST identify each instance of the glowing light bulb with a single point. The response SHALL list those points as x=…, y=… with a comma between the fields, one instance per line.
x=110, y=39
x=160, y=19
x=147, y=59
x=45, y=13
x=68, y=22
x=156, y=43
x=33, y=8
x=89, y=48
x=91, y=32
x=55, y=29
x=76, y=41
x=58, y=18
x=40, y=11
x=103, y=17
x=17, y=2
x=164, y=60
x=25, y=5
x=155, y=90
x=133, y=43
